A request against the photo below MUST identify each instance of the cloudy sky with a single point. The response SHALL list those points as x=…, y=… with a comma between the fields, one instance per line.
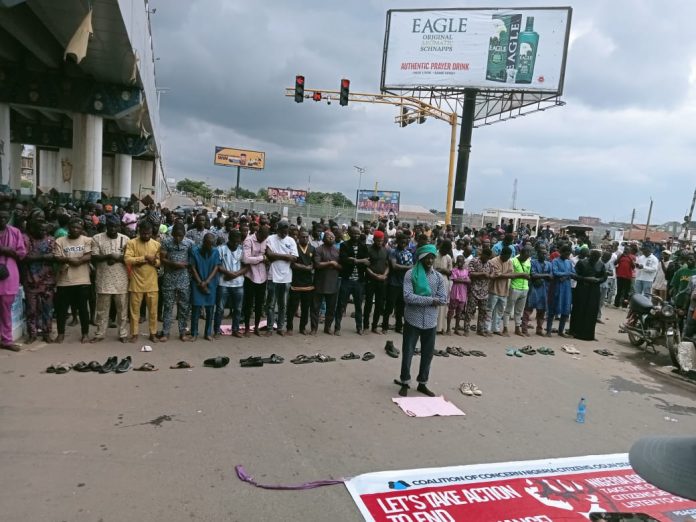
x=625, y=135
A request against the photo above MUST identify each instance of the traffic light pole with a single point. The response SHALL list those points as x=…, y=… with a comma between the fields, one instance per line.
x=420, y=109
x=468, y=112
x=236, y=190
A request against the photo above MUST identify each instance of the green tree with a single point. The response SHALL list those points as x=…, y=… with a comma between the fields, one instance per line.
x=337, y=199
x=197, y=188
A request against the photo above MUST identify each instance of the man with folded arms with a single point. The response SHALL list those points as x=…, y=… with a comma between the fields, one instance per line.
x=424, y=291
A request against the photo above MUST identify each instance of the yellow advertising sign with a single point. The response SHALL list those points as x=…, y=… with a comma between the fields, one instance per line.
x=246, y=159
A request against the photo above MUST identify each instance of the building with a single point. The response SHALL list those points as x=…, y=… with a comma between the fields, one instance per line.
x=588, y=220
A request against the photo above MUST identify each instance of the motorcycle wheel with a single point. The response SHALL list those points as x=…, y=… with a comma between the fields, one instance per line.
x=635, y=340
x=672, y=344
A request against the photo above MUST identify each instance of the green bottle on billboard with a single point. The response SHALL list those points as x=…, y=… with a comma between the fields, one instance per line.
x=497, y=49
x=526, y=57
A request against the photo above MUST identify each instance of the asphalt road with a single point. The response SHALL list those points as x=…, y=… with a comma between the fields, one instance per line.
x=163, y=445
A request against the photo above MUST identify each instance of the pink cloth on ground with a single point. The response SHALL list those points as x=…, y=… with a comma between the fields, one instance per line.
x=459, y=290
x=427, y=406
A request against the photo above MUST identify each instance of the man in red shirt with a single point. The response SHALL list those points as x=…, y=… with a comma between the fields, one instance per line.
x=625, y=265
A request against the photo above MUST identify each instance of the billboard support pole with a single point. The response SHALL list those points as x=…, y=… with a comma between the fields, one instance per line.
x=450, y=177
x=236, y=189
x=468, y=112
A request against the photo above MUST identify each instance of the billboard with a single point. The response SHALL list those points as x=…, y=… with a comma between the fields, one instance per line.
x=246, y=159
x=388, y=200
x=488, y=49
x=280, y=195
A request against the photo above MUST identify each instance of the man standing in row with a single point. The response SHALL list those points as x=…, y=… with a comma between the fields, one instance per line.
x=498, y=290
x=176, y=281
x=376, y=284
x=143, y=256
x=111, y=279
x=231, y=285
x=254, y=248
x=353, y=259
x=302, y=285
x=519, y=287
x=326, y=268
x=281, y=251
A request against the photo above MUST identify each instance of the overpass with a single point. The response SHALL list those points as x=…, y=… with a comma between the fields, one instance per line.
x=77, y=81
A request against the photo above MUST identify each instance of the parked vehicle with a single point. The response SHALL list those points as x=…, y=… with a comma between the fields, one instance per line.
x=651, y=321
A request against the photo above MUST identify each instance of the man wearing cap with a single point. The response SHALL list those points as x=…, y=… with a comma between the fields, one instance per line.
x=424, y=291
x=111, y=281
x=376, y=284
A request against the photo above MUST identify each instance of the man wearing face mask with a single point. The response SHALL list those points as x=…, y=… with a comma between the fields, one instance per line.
x=424, y=291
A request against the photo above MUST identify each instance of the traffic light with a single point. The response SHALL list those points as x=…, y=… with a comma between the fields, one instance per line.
x=345, y=90
x=299, y=88
x=316, y=96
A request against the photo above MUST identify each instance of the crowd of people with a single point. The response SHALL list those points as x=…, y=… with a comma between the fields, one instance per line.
x=108, y=267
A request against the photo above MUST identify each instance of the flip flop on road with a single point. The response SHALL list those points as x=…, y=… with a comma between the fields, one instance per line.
x=216, y=362
x=545, y=351
x=453, y=351
x=477, y=353
x=368, y=356
x=60, y=368
x=320, y=357
x=145, y=367
x=273, y=359
x=82, y=366
x=180, y=365
x=302, y=359
x=440, y=353
x=604, y=352
x=528, y=350
x=350, y=356
x=252, y=362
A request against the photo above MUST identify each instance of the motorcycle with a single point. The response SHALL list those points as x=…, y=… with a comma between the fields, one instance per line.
x=652, y=321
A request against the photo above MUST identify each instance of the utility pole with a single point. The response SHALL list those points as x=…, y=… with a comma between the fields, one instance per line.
x=687, y=219
x=514, y=195
x=647, y=225
x=361, y=171
x=633, y=217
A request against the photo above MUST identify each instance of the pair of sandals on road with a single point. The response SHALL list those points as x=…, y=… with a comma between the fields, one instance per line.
x=112, y=364
x=256, y=361
x=458, y=351
x=528, y=350
x=318, y=357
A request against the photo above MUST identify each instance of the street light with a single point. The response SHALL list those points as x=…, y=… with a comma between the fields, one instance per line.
x=361, y=171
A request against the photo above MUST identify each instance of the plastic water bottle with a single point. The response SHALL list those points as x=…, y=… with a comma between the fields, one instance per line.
x=582, y=408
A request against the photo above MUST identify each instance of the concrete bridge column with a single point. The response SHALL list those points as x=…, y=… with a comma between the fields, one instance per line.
x=4, y=144
x=123, y=174
x=15, y=160
x=87, y=157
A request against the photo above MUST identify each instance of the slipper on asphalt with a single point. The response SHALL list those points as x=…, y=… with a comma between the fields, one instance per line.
x=368, y=356
x=63, y=368
x=477, y=353
x=465, y=388
x=322, y=358
x=51, y=369
x=510, y=352
x=604, y=352
x=216, y=362
x=181, y=365
x=124, y=365
x=94, y=366
x=452, y=351
x=302, y=359
x=273, y=359
x=528, y=350
x=441, y=353
x=350, y=356
x=463, y=352
x=252, y=362
x=81, y=367
x=145, y=367
x=570, y=349
x=518, y=353
x=475, y=390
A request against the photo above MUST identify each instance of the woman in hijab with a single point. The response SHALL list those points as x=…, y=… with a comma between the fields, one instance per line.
x=424, y=291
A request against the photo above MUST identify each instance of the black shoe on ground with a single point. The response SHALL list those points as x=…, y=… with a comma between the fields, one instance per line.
x=391, y=350
x=424, y=390
x=109, y=365
x=124, y=365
